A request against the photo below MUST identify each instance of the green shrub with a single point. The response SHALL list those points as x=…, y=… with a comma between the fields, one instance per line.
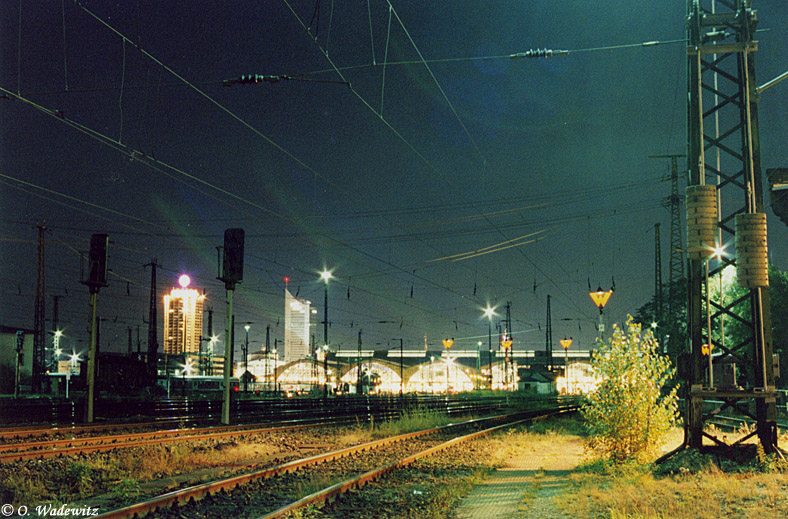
x=630, y=411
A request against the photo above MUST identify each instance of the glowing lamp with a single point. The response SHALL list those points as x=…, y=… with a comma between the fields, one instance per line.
x=566, y=343
x=506, y=343
x=184, y=281
x=447, y=343
x=600, y=297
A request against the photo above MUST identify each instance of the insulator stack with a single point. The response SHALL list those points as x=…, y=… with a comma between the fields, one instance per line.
x=752, y=260
x=701, y=221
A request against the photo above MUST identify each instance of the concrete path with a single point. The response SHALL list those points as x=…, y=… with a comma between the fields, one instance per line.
x=522, y=489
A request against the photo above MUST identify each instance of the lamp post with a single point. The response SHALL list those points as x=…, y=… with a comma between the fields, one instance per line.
x=246, y=357
x=432, y=373
x=56, y=347
x=566, y=343
x=325, y=370
x=707, y=348
x=401, y=380
x=489, y=312
x=478, y=364
x=73, y=362
x=447, y=343
x=325, y=276
x=600, y=298
x=506, y=344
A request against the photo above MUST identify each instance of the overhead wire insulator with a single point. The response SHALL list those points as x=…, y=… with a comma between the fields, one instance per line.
x=538, y=53
x=249, y=79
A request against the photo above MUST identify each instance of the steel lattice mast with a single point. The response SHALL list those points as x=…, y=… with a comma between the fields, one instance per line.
x=723, y=150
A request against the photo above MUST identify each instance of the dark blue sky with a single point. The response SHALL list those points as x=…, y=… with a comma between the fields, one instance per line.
x=374, y=179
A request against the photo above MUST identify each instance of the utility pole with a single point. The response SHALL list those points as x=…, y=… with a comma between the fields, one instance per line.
x=720, y=59
x=358, y=381
x=55, y=327
x=267, y=353
x=508, y=333
x=401, y=380
x=208, y=367
x=153, y=313
x=673, y=202
x=39, y=316
x=549, y=336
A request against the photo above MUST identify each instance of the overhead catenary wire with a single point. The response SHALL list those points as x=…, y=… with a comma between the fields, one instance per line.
x=257, y=132
x=529, y=54
x=127, y=86
x=437, y=83
x=139, y=157
x=400, y=136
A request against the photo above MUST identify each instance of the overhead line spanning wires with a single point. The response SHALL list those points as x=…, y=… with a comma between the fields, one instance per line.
x=137, y=155
x=405, y=141
x=122, y=149
x=531, y=53
x=508, y=244
x=207, y=97
x=437, y=83
x=268, y=140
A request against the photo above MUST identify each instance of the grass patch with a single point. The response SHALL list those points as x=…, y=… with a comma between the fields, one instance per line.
x=414, y=420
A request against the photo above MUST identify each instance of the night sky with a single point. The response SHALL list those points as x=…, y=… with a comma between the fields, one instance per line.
x=115, y=120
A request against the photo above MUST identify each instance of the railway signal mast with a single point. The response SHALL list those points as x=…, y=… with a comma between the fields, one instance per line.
x=725, y=206
x=232, y=273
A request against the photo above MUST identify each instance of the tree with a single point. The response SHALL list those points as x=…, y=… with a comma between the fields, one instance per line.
x=674, y=327
x=632, y=408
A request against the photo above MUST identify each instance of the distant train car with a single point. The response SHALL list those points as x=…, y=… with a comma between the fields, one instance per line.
x=199, y=385
x=119, y=374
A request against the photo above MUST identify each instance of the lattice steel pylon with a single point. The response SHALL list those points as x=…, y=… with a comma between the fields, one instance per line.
x=39, y=334
x=723, y=150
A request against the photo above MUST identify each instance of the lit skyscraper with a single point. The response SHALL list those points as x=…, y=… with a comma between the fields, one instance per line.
x=296, y=328
x=183, y=309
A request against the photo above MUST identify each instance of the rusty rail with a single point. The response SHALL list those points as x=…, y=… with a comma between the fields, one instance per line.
x=199, y=491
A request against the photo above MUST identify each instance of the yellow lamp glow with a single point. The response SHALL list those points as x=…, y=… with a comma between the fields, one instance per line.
x=566, y=343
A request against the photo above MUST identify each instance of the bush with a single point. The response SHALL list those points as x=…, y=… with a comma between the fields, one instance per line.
x=628, y=414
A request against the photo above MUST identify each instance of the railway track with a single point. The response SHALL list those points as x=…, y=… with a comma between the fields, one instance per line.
x=269, y=491
x=72, y=446
x=12, y=452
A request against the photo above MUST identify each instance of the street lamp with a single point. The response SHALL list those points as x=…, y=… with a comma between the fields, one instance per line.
x=600, y=298
x=706, y=349
x=211, y=346
x=447, y=343
x=489, y=312
x=325, y=370
x=506, y=344
x=56, y=347
x=566, y=343
x=478, y=364
x=325, y=276
x=246, y=357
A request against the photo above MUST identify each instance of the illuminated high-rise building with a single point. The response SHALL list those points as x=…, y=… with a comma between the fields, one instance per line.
x=296, y=328
x=183, y=309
